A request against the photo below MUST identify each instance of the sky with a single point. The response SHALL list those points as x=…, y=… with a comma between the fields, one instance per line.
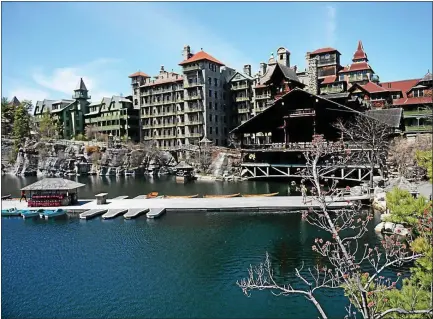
x=48, y=46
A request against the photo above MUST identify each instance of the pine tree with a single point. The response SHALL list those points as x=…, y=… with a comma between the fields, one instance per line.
x=21, y=128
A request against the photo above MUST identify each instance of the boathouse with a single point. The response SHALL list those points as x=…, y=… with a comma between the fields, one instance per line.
x=51, y=192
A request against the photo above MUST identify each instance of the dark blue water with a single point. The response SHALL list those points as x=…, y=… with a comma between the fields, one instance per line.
x=184, y=265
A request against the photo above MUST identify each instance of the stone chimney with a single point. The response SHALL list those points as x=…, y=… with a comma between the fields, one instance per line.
x=307, y=59
x=295, y=68
x=313, y=81
x=186, y=53
x=162, y=69
x=247, y=69
x=262, y=69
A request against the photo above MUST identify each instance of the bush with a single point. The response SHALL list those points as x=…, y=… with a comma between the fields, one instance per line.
x=80, y=137
x=92, y=149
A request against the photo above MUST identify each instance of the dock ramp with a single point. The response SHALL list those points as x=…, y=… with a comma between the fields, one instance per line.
x=112, y=213
x=92, y=213
x=135, y=212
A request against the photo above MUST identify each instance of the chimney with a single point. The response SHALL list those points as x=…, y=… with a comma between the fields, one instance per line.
x=186, y=52
x=295, y=68
x=307, y=59
x=162, y=69
x=262, y=69
x=247, y=69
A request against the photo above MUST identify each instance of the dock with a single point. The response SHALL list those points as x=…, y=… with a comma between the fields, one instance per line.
x=135, y=212
x=112, y=213
x=92, y=213
x=120, y=197
x=140, y=197
x=155, y=212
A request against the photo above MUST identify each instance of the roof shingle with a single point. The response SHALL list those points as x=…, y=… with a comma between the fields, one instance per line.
x=139, y=73
x=201, y=56
x=324, y=50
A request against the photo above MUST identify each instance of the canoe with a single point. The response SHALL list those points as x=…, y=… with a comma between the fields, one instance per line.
x=222, y=196
x=186, y=196
x=260, y=195
x=30, y=213
x=152, y=195
x=53, y=213
x=11, y=212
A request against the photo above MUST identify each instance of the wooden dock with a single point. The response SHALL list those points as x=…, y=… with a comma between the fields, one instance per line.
x=92, y=213
x=112, y=213
x=155, y=212
x=135, y=212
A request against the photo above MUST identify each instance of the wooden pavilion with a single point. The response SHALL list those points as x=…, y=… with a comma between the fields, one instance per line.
x=50, y=192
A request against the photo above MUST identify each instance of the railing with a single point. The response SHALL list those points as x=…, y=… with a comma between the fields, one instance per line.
x=194, y=109
x=193, y=84
x=300, y=112
x=192, y=97
x=331, y=90
x=306, y=146
x=242, y=98
x=421, y=128
x=353, y=78
x=264, y=96
x=193, y=135
x=240, y=87
x=146, y=93
x=418, y=112
x=240, y=111
x=194, y=122
x=322, y=62
x=191, y=68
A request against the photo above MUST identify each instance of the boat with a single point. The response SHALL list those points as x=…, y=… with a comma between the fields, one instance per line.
x=186, y=196
x=30, y=213
x=152, y=195
x=11, y=212
x=222, y=196
x=260, y=195
x=7, y=197
x=52, y=213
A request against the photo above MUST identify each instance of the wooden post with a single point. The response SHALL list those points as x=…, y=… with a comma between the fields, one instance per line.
x=285, y=133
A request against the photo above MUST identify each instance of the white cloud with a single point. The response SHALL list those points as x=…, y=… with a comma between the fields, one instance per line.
x=27, y=93
x=331, y=25
x=66, y=79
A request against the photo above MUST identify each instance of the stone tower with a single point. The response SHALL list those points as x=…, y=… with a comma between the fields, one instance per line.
x=283, y=56
x=81, y=96
x=313, y=85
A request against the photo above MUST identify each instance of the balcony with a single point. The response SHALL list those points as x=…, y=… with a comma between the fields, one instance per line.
x=240, y=87
x=189, y=68
x=194, y=122
x=194, y=109
x=418, y=113
x=146, y=93
x=193, y=97
x=193, y=84
x=323, y=62
x=421, y=128
x=193, y=134
x=262, y=97
x=242, y=111
x=242, y=99
x=331, y=90
x=356, y=78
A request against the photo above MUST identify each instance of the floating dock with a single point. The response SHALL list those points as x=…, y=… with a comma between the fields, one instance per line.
x=140, y=197
x=135, y=212
x=112, y=213
x=92, y=213
x=120, y=197
x=155, y=212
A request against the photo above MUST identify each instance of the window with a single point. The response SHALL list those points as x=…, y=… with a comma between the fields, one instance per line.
x=210, y=105
x=216, y=130
x=418, y=93
x=216, y=118
x=216, y=94
x=210, y=93
x=225, y=120
x=216, y=106
x=210, y=129
x=341, y=77
x=210, y=117
x=215, y=81
x=216, y=142
x=209, y=80
x=225, y=130
x=281, y=56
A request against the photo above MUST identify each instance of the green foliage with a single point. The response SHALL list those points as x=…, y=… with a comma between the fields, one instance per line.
x=7, y=110
x=21, y=128
x=404, y=208
x=48, y=127
x=424, y=160
x=80, y=137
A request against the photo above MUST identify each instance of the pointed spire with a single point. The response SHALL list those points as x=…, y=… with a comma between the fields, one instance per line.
x=360, y=53
x=81, y=86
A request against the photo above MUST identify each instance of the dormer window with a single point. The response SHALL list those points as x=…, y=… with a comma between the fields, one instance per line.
x=418, y=93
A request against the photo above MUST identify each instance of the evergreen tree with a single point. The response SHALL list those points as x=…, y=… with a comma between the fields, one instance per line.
x=21, y=128
x=48, y=127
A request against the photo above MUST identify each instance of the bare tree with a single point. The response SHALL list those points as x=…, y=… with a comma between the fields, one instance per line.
x=90, y=132
x=346, y=256
x=371, y=138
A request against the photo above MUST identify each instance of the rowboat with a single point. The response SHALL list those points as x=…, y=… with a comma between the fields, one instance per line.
x=52, y=213
x=7, y=197
x=222, y=196
x=11, y=212
x=260, y=195
x=30, y=213
x=152, y=195
x=186, y=196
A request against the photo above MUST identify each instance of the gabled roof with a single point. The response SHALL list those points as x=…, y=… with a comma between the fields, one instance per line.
x=81, y=86
x=14, y=102
x=391, y=117
x=288, y=73
x=403, y=86
x=413, y=100
x=358, y=66
x=139, y=73
x=201, y=56
x=53, y=184
x=372, y=87
x=329, y=79
x=324, y=50
x=245, y=76
x=427, y=77
x=359, y=53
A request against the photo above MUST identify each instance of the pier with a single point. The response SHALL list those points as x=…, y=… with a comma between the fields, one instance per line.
x=155, y=212
x=112, y=213
x=135, y=212
x=121, y=197
x=92, y=213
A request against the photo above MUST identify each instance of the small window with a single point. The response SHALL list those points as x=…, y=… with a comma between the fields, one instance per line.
x=210, y=105
x=216, y=94
x=209, y=80
x=216, y=106
x=210, y=117
x=281, y=56
x=215, y=81
x=225, y=119
x=216, y=130
x=216, y=118
x=210, y=93
x=210, y=129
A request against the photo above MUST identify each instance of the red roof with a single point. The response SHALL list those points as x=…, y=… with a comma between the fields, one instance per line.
x=356, y=67
x=360, y=53
x=372, y=87
x=403, y=86
x=138, y=74
x=329, y=79
x=164, y=81
x=201, y=56
x=413, y=100
x=324, y=50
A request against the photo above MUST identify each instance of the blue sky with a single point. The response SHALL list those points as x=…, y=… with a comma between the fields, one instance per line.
x=47, y=46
